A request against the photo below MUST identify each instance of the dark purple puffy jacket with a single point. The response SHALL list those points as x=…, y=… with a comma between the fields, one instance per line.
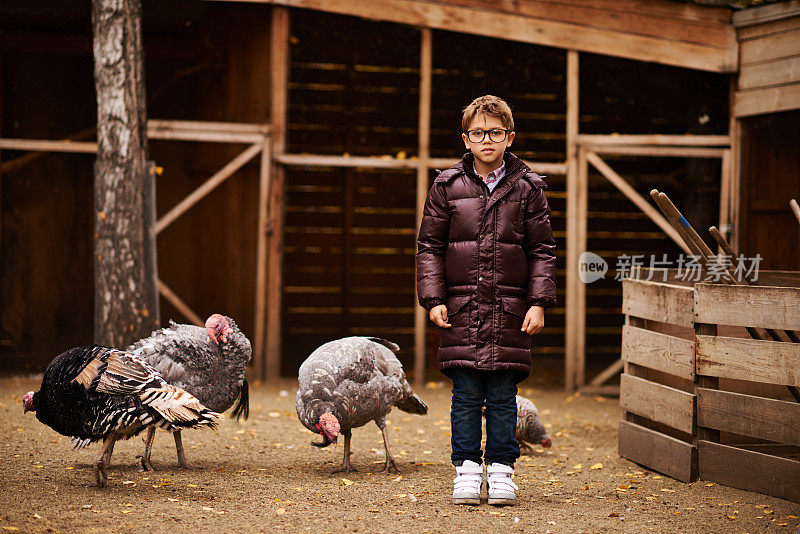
x=488, y=257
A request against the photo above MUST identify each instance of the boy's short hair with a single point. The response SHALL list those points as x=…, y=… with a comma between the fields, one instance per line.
x=491, y=105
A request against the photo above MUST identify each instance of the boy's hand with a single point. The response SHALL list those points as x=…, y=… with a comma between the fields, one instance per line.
x=438, y=315
x=534, y=320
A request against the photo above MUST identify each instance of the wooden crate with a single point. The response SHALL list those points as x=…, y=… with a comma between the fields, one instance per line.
x=657, y=386
x=772, y=464
x=700, y=396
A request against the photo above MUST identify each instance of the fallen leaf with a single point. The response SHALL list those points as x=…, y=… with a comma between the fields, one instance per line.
x=170, y=499
x=398, y=478
x=10, y=528
x=577, y=466
x=280, y=511
x=551, y=522
x=710, y=484
x=86, y=506
x=791, y=517
x=613, y=514
x=126, y=482
x=347, y=482
x=657, y=477
x=731, y=517
x=191, y=485
x=274, y=414
x=37, y=516
x=668, y=490
x=598, y=465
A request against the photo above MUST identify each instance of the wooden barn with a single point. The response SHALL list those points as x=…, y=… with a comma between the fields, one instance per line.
x=296, y=139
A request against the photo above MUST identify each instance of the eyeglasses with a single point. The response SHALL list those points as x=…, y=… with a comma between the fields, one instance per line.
x=496, y=135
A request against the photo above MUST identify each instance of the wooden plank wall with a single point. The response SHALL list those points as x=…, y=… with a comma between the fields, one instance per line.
x=770, y=176
x=656, y=388
x=352, y=90
x=769, y=66
x=203, y=61
x=655, y=31
x=751, y=417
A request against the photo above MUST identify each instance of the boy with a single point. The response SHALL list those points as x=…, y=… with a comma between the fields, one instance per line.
x=485, y=268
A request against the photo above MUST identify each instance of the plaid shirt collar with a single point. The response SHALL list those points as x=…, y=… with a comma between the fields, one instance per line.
x=494, y=176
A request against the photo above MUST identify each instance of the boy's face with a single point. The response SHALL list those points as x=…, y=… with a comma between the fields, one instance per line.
x=488, y=152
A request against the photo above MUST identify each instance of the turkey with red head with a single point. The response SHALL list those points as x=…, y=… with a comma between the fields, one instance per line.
x=209, y=362
x=347, y=383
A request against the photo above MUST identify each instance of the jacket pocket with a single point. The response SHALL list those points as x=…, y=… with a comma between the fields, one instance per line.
x=456, y=305
x=511, y=334
x=458, y=316
x=514, y=306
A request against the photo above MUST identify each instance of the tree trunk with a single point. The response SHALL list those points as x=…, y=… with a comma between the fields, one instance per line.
x=126, y=294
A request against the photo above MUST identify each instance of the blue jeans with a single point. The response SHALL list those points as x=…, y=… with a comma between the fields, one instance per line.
x=471, y=391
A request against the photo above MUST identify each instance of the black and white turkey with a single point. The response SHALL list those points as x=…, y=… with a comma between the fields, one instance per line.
x=208, y=362
x=93, y=393
x=345, y=384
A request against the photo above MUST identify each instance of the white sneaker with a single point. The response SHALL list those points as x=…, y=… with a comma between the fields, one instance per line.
x=501, y=487
x=467, y=484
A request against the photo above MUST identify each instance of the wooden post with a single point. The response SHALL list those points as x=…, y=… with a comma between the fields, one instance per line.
x=126, y=294
x=572, y=348
x=423, y=154
x=700, y=381
x=734, y=169
x=261, y=258
x=725, y=194
x=581, y=220
x=279, y=87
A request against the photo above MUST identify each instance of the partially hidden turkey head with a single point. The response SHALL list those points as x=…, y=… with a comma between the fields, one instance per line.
x=27, y=403
x=218, y=329
x=329, y=427
x=547, y=442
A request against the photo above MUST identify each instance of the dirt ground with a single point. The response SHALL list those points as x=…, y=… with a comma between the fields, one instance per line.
x=262, y=475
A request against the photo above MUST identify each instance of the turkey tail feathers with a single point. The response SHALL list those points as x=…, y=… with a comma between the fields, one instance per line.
x=171, y=408
x=413, y=404
x=386, y=343
x=242, y=408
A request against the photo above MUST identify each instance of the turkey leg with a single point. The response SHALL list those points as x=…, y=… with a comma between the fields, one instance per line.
x=109, y=452
x=144, y=456
x=100, y=471
x=346, y=467
x=390, y=465
x=525, y=448
x=182, y=463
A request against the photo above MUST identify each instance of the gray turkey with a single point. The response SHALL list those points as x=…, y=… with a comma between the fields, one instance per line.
x=207, y=362
x=345, y=384
x=530, y=430
x=93, y=393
